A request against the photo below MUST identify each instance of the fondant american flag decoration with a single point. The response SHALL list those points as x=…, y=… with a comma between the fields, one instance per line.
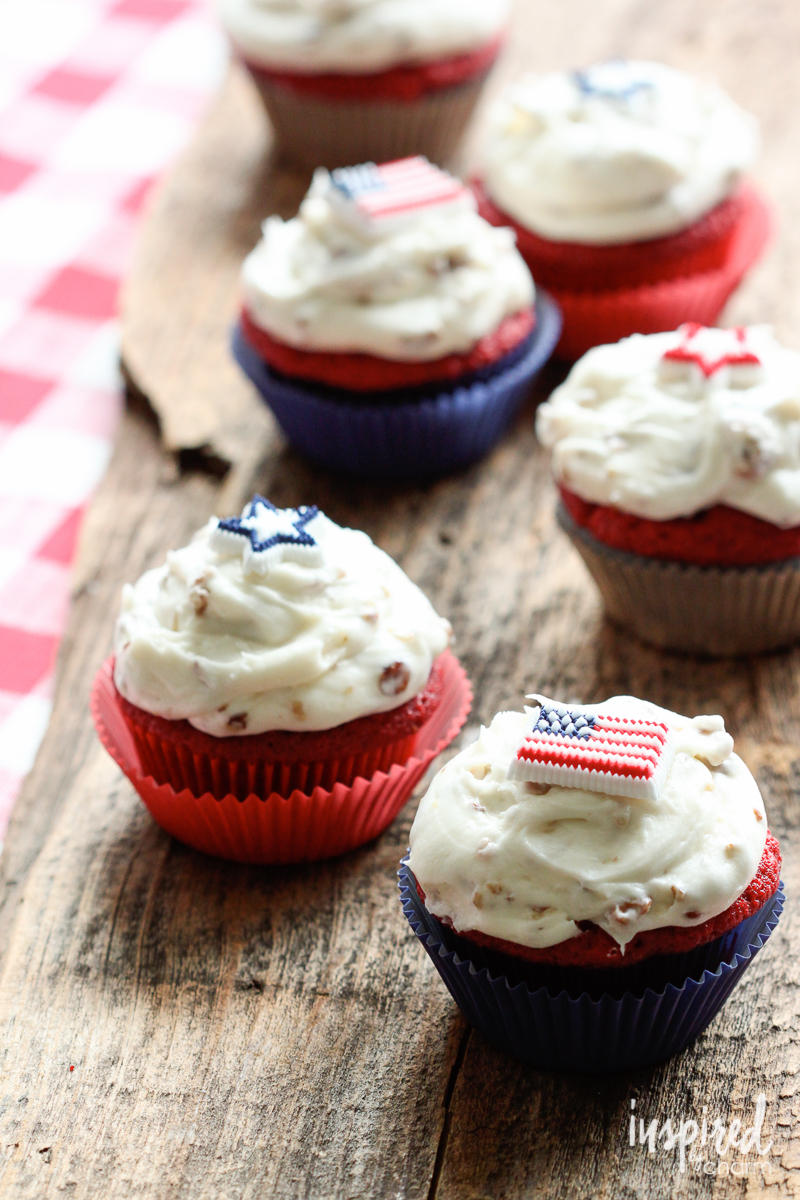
x=621, y=754
x=706, y=351
x=395, y=189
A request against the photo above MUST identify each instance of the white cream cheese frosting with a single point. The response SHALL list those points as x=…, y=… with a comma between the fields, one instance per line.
x=637, y=427
x=526, y=863
x=622, y=152
x=416, y=289
x=358, y=36
x=275, y=620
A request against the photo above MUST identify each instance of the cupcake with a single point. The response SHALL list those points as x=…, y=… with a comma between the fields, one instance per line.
x=278, y=687
x=392, y=331
x=591, y=881
x=349, y=80
x=678, y=460
x=625, y=185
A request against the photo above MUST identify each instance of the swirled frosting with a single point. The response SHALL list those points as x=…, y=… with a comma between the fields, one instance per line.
x=622, y=152
x=525, y=863
x=416, y=289
x=644, y=426
x=358, y=36
x=279, y=619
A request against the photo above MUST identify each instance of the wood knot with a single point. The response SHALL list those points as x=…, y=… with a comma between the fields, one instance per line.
x=251, y=984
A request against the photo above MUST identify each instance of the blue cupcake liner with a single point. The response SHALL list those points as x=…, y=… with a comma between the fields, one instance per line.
x=420, y=439
x=572, y=1031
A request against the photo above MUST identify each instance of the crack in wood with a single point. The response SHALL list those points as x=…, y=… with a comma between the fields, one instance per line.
x=444, y=1136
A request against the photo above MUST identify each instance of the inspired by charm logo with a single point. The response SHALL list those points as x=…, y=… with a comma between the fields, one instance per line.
x=709, y=1146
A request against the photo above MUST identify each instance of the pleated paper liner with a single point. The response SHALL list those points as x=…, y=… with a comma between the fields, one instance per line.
x=571, y=1030
x=174, y=753
x=421, y=439
x=597, y=318
x=306, y=826
x=709, y=611
x=314, y=131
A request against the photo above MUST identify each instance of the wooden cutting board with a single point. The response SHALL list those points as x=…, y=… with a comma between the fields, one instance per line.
x=178, y=1026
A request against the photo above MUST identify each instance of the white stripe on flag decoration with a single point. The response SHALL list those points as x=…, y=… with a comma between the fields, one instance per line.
x=582, y=747
x=374, y=194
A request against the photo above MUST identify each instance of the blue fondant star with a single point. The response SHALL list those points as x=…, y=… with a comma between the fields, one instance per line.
x=612, y=80
x=289, y=525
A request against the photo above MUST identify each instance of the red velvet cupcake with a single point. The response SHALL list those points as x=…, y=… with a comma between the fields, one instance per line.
x=677, y=462
x=282, y=665
x=600, y=872
x=283, y=761
x=624, y=186
x=392, y=331
x=367, y=81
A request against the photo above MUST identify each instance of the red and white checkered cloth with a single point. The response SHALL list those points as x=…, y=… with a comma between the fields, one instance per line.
x=96, y=97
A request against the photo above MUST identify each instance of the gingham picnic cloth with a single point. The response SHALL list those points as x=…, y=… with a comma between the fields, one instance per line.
x=96, y=98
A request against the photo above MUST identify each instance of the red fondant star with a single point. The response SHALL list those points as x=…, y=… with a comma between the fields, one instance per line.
x=712, y=349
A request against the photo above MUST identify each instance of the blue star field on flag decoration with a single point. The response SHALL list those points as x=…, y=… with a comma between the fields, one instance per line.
x=564, y=721
x=271, y=534
x=356, y=181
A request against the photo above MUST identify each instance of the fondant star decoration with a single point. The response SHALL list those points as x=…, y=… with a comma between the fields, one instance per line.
x=707, y=353
x=612, y=80
x=577, y=747
x=374, y=194
x=266, y=535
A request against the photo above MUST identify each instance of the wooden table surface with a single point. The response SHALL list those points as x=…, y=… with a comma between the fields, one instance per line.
x=182, y=1027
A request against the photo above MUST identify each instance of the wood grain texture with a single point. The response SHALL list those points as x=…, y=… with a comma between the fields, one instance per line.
x=241, y=1032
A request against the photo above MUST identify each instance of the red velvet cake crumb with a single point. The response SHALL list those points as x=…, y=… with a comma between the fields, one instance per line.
x=404, y=83
x=596, y=948
x=368, y=373
x=581, y=267
x=286, y=746
x=716, y=537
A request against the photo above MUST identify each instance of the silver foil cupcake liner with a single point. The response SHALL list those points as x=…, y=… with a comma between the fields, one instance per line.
x=571, y=1030
x=314, y=131
x=711, y=611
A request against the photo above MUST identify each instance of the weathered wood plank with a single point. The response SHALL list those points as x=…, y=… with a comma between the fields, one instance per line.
x=239, y=1032
x=233, y=1031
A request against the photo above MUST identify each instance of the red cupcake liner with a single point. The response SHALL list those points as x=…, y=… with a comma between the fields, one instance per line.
x=304, y=827
x=594, y=318
x=175, y=753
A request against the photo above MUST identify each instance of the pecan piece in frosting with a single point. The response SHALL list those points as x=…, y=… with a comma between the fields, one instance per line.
x=394, y=679
x=238, y=721
x=630, y=910
x=199, y=595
